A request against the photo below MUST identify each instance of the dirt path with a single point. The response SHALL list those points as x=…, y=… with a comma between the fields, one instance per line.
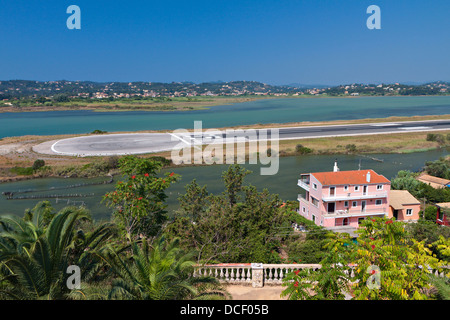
x=239, y=292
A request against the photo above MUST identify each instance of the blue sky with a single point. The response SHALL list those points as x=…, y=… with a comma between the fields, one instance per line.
x=273, y=41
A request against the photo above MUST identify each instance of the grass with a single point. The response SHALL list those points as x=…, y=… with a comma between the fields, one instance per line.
x=172, y=104
x=381, y=143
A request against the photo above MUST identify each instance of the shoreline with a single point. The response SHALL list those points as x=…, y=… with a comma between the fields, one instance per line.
x=181, y=106
x=5, y=180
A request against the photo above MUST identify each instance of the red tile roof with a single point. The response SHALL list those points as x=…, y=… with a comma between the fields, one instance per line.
x=354, y=177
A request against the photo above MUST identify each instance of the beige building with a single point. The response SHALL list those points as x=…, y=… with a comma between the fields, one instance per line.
x=435, y=182
x=403, y=206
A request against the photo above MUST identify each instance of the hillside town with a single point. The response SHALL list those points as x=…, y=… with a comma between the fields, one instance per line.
x=64, y=90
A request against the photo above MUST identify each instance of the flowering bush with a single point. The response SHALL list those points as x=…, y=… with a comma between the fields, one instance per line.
x=382, y=264
x=139, y=200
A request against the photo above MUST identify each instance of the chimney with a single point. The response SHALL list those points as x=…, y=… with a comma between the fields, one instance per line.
x=368, y=176
x=335, y=168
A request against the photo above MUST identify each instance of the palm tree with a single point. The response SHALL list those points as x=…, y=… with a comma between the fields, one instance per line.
x=161, y=271
x=22, y=234
x=34, y=258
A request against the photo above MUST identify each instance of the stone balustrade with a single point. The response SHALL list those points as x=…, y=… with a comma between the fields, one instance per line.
x=259, y=274
x=256, y=274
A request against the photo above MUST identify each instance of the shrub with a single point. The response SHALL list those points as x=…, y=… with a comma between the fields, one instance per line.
x=113, y=162
x=39, y=163
x=302, y=150
x=430, y=213
x=98, y=131
x=439, y=138
x=350, y=147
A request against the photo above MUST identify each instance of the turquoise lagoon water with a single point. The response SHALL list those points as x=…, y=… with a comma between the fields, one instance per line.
x=247, y=113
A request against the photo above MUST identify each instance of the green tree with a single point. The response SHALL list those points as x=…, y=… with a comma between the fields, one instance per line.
x=39, y=163
x=233, y=179
x=329, y=282
x=241, y=224
x=34, y=257
x=139, y=201
x=439, y=168
x=382, y=252
x=161, y=271
x=193, y=202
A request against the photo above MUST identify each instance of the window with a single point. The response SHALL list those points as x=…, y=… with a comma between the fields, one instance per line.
x=379, y=187
x=315, y=186
x=345, y=188
x=315, y=202
x=356, y=188
x=354, y=204
x=303, y=209
x=346, y=204
x=378, y=202
x=313, y=218
x=409, y=212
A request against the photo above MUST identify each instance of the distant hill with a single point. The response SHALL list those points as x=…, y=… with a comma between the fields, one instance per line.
x=63, y=90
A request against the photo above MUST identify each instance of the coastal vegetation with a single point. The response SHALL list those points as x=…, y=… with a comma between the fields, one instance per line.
x=388, y=265
x=122, y=104
x=140, y=253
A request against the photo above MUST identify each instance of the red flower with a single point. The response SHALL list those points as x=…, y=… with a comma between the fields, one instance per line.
x=389, y=221
x=164, y=181
x=371, y=238
x=297, y=272
x=373, y=247
x=171, y=174
x=373, y=220
x=146, y=174
x=296, y=284
x=133, y=177
x=373, y=272
x=140, y=198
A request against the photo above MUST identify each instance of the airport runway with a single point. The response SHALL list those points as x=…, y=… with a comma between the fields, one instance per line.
x=140, y=143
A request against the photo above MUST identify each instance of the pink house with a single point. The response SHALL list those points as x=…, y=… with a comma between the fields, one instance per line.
x=343, y=198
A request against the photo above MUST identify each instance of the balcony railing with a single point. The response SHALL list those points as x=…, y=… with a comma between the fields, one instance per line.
x=357, y=212
x=354, y=196
x=303, y=184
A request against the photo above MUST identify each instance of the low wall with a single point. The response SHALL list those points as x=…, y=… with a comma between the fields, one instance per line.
x=258, y=275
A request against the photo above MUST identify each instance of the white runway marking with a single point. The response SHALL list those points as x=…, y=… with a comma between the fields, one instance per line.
x=415, y=128
x=185, y=141
x=384, y=124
